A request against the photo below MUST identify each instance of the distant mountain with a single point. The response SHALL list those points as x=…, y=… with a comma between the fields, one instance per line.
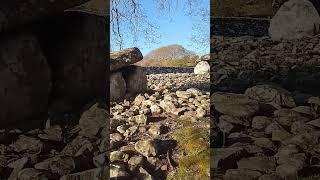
x=174, y=51
x=169, y=56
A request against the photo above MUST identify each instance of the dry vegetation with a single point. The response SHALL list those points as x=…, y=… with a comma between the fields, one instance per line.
x=184, y=62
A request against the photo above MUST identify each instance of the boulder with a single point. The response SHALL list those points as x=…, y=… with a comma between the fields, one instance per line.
x=294, y=20
x=202, y=67
x=123, y=58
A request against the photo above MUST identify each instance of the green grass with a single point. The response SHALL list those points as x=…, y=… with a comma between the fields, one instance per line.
x=196, y=164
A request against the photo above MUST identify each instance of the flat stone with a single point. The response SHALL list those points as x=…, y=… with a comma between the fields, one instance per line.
x=273, y=95
x=243, y=174
x=148, y=148
x=237, y=105
x=92, y=174
x=27, y=144
x=124, y=58
x=261, y=164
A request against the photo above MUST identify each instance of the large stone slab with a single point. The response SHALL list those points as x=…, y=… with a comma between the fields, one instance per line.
x=20, y=12
x=25, y=79
x=123, y=58
x=96, y=7
x=75, y=45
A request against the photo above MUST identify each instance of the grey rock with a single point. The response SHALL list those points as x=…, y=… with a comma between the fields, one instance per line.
x=295, y=19
x=124, y=58
x=260, y=122
x=147, y=148
x=234, y=104
x=136, y=80
x=77, y=146
x=93, y=120
x=261, y=164
x=60, y=165
x=31, y=173
x=273, y=95
x=27, y=144
x=94, y=174
x=117, y=87
x=243, y=174
x=202, y=67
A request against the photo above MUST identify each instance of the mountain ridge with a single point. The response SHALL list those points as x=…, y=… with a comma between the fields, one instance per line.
x=173, y=51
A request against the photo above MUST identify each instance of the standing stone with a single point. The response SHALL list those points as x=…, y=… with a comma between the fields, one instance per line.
x=136, y=79
x=202, y=67
x=77, y=56
x=117, y=86
x=25, y=79
x=294, y=20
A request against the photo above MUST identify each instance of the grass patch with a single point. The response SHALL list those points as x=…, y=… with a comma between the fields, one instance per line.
x=196, y=164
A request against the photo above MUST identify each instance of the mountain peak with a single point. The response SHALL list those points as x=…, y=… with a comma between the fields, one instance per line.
x=173, y=51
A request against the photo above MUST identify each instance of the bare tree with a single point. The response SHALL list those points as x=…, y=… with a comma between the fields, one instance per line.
x=129, y=20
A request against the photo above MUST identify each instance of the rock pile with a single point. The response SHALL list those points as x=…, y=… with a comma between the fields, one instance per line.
x=141, y=139
x=126, y=79
x=267, y=133
x=264, y=108
x=72, y=150
x=239, y=63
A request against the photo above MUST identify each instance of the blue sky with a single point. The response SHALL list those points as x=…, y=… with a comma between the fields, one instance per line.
x=175, y=27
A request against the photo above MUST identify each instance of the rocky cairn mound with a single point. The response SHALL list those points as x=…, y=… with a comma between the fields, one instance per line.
x=264, y=105
x=158, y=122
